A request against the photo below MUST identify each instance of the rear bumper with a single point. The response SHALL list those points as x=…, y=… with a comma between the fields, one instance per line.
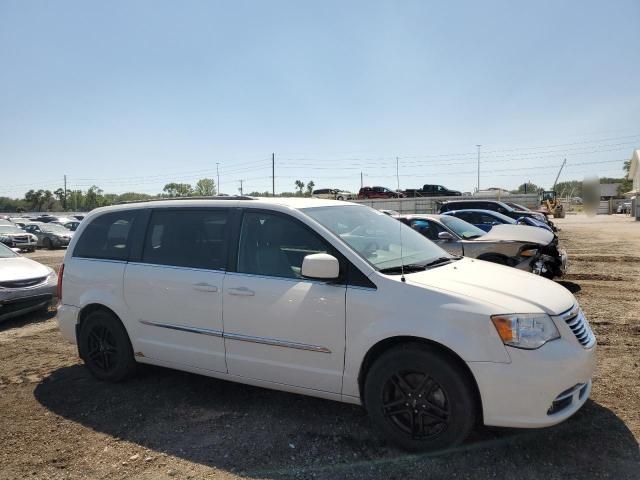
x=67, y=321
x=539, y=388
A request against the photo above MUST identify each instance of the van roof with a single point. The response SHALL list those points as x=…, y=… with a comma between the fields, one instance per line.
x=291, y=202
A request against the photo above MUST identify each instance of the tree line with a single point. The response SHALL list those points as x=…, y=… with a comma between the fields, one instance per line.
x=85, y=200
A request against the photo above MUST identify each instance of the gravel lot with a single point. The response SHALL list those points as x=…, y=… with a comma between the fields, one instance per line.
x=57, y=422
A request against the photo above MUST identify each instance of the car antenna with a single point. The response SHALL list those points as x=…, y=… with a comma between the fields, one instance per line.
x=402, y=279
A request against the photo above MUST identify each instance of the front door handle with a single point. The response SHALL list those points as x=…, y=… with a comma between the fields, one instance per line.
x=241, y=291
x=205, y=287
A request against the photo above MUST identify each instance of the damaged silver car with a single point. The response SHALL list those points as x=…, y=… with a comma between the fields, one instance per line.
x=25, y=285
x=526, y=248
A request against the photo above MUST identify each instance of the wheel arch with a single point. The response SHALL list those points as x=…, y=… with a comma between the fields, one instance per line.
x=95, y=307
x=387, y=344
x=486, y=256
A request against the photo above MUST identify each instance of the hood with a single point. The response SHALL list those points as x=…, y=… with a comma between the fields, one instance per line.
x=518, y=233
x=510, y=290
x=21, y=268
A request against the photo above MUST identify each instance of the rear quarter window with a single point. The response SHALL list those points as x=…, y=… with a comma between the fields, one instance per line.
x=107, y=236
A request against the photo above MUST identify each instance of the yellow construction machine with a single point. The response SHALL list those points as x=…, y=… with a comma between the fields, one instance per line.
x=549, y=200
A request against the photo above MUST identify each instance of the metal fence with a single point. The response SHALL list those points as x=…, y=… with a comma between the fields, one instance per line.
x=432, y=204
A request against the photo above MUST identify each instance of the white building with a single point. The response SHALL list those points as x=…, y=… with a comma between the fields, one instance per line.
x=634, y=175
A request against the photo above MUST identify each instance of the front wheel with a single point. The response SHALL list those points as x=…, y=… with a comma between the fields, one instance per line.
x=48, y=244
x=420, y=399
x=339, y=197
x=105, y=347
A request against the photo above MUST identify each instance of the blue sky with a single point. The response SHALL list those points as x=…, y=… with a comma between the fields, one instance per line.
x=131, y=95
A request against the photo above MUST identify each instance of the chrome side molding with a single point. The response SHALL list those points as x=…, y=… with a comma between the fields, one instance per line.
x=239, y=337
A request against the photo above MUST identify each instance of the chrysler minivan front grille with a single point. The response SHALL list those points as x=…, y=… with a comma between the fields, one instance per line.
x=580, y=327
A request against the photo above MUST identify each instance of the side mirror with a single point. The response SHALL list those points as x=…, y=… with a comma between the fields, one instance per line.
x=445, y=236
x=321, y=266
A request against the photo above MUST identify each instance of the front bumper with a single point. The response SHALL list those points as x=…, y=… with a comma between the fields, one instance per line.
x=22, y=244
x=16, y=302
x=522, y=393
x=61, y=241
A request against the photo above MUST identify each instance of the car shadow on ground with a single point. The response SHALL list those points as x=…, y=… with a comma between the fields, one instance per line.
x=571, y=286
x=31, y=318
x=268, y=434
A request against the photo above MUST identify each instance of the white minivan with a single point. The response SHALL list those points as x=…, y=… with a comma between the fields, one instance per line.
x=329, y=299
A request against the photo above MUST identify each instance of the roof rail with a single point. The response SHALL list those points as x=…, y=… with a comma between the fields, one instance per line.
x=165, y=199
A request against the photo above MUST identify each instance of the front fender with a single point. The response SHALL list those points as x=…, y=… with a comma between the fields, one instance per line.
x=460, y=324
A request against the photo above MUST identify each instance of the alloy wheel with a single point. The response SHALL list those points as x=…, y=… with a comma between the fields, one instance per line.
x=102, y=351
x=416, y=404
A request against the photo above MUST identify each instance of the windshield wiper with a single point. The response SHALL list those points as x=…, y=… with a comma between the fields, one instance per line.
x=410, y=267
x=441, y=260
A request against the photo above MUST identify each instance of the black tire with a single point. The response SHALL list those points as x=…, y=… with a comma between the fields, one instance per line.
x=32, y=249
x=105, y=347
x=404, y=377
x=340, y=197
x=48, y=244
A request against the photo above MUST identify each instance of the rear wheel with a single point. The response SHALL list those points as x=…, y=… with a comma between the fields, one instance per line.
x=420, y=399
x=105, y=347
x=339, y=197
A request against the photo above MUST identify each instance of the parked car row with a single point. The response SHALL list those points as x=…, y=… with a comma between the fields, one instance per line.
x=29, y=233
x=334, y=300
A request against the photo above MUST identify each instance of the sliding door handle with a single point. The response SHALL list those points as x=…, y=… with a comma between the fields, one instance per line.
x=241, y=291
x=205, y=287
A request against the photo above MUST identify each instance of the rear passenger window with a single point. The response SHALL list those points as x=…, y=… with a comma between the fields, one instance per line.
x=181, y=238
x=107, y=237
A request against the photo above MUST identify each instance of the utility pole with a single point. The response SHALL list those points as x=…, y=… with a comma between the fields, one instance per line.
x=218, y=176
x=241, y=187
x=398, y=173
x=361, y=182
x=478, y=187
x=64, y=197
x=273, y=174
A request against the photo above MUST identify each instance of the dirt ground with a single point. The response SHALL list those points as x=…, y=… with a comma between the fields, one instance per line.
x=56, y=422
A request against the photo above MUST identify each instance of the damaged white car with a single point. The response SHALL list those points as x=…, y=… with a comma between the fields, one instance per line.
x=526, y=248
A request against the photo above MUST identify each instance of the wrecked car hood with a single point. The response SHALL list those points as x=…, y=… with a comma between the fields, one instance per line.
x=518, y=233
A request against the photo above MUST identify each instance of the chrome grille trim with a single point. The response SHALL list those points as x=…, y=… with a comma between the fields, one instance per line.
x=579, y=325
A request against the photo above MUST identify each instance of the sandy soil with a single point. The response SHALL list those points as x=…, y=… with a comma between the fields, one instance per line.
x=58, y=422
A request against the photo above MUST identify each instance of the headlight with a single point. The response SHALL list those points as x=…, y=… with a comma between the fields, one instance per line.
x=525, y=330
x=531, y=252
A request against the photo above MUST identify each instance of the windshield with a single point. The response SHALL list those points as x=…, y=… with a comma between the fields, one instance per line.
x=6, y=252
x=55, y=229
x=517, y=206
x=376, y=236
x=502, y=217
x=461, y=228
x=10, y=229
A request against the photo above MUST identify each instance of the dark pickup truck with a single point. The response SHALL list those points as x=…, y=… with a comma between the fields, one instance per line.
x=432, y=191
